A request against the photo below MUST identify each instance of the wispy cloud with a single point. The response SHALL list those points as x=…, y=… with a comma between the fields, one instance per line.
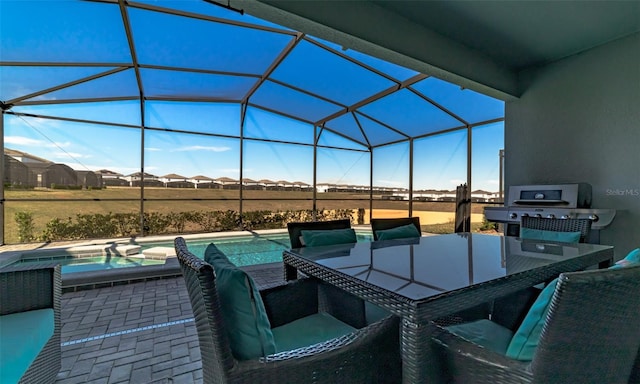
x=152, y=149
x=21, y=140
x=202, y=148
x=390, y=183
x=29, y=142
x=64, y=155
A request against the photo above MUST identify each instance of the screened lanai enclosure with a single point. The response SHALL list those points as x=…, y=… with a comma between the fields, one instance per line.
x=131, y=118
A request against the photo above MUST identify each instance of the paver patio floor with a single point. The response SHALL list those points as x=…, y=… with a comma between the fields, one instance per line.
x=136, y=333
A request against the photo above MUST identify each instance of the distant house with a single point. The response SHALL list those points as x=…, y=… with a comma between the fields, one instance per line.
x=249, y=184
x=49, y=175
x=149, y=180
x=284, y=185
x=173, y=180
x=268, y=185
x=323, y=187
x=16, y=173
x=228, y=183
x=480, y=196
x=89, y=179
x=203, y=182
x=110, y=178
x=301, y=186
x=426, y=195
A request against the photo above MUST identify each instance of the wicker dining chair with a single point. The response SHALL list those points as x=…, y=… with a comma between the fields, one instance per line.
x=559, y=225
x=590, y=335
x=295, y=228
x=388, y=223
x=368, y=355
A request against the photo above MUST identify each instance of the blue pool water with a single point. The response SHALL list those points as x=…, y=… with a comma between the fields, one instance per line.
x=245, y=250
x=251, y=249
x=96, y=263
x=242, y=250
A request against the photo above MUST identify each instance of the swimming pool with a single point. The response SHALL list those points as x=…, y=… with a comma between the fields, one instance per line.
x=249, y=249
x=243, y=249
x=98, y=263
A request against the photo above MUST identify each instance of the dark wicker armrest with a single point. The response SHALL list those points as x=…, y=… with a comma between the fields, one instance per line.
x=26, y=288
x=370, y=354
x=479, y=365
x=290, y=301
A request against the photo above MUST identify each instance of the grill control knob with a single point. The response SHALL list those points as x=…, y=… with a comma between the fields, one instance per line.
x=525, y=215
x=565, y=217
x=551, y=216
x=538, y=215
x=594, y=217
x=513, y=215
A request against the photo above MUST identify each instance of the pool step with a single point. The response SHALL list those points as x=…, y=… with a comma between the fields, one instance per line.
x=159, y=252
x=84, y=251
x=123, y=250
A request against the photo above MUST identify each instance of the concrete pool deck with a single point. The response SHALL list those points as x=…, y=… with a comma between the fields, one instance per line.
x=136, y=333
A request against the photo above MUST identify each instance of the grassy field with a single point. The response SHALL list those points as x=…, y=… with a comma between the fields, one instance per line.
x=45, y=205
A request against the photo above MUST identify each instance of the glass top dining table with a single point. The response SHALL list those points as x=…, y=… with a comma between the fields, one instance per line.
x=426, y=278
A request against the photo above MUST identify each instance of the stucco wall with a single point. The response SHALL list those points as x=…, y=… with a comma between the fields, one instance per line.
x=579, y=121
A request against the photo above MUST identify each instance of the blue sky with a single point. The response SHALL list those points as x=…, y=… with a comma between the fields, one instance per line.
x=179, y=62
x=439, y=163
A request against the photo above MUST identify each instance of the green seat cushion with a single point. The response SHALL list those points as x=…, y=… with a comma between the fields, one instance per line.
x=309, y=330
x=374, y=313
x=243, y=311
x=538, y=234
x=22, y=337
x=486, y=333
x=401, y=232
x=526, y=338
x=319, y=237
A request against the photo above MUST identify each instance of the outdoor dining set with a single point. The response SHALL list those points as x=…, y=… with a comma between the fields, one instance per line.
x=463, y=307
x=405, y=307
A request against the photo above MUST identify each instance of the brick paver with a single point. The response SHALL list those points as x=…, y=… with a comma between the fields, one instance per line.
x=140, y=333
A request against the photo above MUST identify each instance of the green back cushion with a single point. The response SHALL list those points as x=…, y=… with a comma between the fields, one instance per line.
x=22, y=337
x=401, y=232
x=309, y=330
x=632, y=257
x=538, y=234
x=319, y=237
x=243, y=311
x=526, y=338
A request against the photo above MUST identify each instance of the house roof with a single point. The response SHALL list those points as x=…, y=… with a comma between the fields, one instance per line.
x=25, y=155
x=173, y=176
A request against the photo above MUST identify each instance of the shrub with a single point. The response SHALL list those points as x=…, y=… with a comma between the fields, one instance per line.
x=25, y=226
x=58, y=229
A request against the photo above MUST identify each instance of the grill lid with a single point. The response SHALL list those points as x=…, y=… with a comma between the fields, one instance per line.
x=576, y=195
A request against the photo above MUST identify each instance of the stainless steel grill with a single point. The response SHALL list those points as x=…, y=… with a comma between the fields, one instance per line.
x=560, y=201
